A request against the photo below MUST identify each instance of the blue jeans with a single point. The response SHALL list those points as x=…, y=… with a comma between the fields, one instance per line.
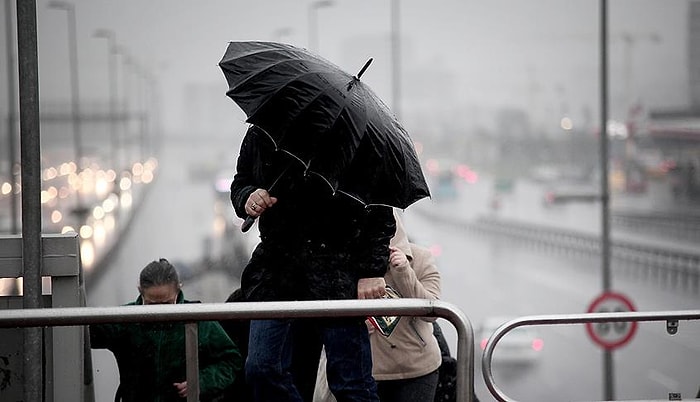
x=349, y=360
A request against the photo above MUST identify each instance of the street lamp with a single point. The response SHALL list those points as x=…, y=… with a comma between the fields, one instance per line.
x=280, y=33
x=396, y=58
x=80, y=210
x=11, y=118
x=130, y=90
x=313, y=24
x=112, y=76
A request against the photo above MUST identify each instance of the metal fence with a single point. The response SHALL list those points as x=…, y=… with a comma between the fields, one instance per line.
x=671, y=318
x=192, y=313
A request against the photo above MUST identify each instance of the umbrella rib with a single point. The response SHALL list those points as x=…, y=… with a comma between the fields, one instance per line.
x=365, y=204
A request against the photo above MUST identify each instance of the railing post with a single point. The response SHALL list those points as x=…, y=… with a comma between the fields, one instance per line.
x=192, y=356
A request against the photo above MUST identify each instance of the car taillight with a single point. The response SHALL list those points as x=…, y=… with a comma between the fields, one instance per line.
x=483, y=343
x=537, y=344
x=550, y=197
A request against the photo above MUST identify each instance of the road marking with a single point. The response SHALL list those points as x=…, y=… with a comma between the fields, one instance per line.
x=666, y=381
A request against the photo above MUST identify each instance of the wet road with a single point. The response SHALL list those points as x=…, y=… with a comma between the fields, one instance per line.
x=488, y=277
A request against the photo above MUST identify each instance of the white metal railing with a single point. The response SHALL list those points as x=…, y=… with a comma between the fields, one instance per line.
x=191, y=313
x=671, y=318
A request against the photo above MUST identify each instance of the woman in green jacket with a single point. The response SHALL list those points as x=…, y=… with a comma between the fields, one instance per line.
x=151, y=356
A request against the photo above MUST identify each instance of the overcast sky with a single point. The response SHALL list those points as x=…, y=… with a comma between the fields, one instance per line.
x=539, y=55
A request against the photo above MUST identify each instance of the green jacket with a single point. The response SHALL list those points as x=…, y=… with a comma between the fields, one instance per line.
x=151, y=357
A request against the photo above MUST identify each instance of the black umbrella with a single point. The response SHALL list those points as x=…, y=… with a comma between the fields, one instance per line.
x=327, y=119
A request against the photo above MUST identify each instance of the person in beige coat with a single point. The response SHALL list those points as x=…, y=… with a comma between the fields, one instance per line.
x=405, y=363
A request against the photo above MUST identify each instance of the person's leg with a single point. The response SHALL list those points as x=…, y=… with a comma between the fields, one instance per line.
x=419, y=389
x=349, y=360
x=269, y=360
x=306, y=354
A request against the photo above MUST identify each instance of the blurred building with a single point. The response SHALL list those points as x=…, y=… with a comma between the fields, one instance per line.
x=675, y=134
x=694, y=53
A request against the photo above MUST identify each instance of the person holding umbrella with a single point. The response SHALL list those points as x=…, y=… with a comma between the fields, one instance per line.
x=314, y=246
x=320, y=168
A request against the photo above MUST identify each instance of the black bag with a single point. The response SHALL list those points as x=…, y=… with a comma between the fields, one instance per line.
x=447, y=373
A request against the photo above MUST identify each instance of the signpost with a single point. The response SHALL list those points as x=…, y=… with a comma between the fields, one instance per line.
x=611, y=335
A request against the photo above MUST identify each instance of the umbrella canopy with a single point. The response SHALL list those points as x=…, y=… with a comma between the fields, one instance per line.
x=327, y=119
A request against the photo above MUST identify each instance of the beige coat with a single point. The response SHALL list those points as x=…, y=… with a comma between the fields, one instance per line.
x=411, y=350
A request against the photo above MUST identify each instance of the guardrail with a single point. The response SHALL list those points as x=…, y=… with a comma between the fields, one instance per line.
x=191, y=313
x=667, y=266
x=671, y=317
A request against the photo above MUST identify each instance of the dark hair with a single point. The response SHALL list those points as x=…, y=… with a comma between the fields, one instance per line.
x=158, y=273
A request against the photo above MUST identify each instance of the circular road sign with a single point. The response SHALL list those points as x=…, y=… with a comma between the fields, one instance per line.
x=611, y=335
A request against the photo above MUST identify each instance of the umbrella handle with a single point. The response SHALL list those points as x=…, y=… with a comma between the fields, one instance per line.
x=249, y=220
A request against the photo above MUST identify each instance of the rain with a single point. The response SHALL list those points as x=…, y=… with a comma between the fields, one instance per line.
x=502, y=100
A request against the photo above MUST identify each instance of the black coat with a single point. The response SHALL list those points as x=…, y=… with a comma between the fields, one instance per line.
x=314, y=245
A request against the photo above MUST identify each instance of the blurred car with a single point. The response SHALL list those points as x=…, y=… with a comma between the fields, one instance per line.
x=565, y=193
x=445, y=186
x=520, y=346
x=445, y=176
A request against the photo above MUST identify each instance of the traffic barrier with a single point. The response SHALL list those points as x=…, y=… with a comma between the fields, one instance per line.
x=677, y=268
x=671, y=318
x=191, y=313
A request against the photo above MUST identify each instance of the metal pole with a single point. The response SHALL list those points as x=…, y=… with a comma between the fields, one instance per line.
x=192, y=356
x=608, y=363
x=11, y=117
x=313, y=23
x=112, y=77
x=79, y=211
x=396, y=58
x=31, y=192
x=130, y=92
x=312, y=28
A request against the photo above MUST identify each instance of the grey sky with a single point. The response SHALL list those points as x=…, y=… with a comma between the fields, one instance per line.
x=539, y=55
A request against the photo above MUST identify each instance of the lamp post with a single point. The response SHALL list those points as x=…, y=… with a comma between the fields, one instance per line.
x=313, y=23
x=112, y=76
x=80, y=209
x=280, y=33
x=130, y=73
x=396, y=58
x=11, y=118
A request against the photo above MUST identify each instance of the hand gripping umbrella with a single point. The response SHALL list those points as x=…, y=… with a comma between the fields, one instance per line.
x=326, y=119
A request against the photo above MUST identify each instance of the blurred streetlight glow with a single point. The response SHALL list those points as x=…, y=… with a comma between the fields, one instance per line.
x=86, y=231
x=56, y=216
x=566, y=123
x=98, y=212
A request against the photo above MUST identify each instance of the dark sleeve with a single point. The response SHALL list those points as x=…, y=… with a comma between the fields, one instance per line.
x=244, y=181
x=374, y=243
x=105, y=336
x=220, y=360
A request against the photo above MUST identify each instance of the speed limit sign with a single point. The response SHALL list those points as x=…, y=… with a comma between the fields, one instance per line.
x=611, y=335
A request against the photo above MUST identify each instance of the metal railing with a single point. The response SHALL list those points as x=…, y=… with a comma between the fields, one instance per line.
x=671, y=317
x=191, y=313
